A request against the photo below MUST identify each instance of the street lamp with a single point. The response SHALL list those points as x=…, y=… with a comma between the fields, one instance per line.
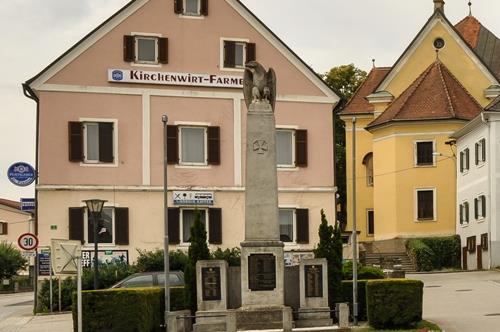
x=94, y=207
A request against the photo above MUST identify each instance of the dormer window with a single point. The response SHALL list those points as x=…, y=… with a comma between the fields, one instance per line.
x=191, y=7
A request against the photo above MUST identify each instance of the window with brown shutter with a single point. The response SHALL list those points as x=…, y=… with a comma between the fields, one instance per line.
x=302, y=216
x=213, y=138
x=75, y=141
x=172, y=145
x=174, y=225
x=251, y=52
x=75, y=224
x=471, y=244
x=99, y=142
x=425, y=204
x=121, y=226
x=163, y=50
x=128, y=48
x=215, y=226
x=424, y=153
x=301, y=148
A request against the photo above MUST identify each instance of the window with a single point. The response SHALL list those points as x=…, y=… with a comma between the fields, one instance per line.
x=484, y=241
x=191, y=7
x=193, y=145
x=294, y=225
x=464, y=213
x=424, y=153
x=105, y=226
x=425, y=204
x=368, y=162
x=370, y=221
x=187, y=220
x=471, y=244
x=3, y=228
x=92, y=142
x=291, y=148
x=139, y=281
x=180, y=221
x=150, y=50
x=236, y=53
x=464, y=160
x=480, y=207
x=480, y=149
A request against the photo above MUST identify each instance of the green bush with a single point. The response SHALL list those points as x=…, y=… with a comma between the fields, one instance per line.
x=435, y=253
x=139, y=310
x=393, y=303
x=109, y=274
x=347, y=297
x=11, y=260
x=364, y=272
x=68, y=286
x=231, y=256
x=152, y=261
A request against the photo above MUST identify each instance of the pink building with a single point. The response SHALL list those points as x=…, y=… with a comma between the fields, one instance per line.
x=100, y=106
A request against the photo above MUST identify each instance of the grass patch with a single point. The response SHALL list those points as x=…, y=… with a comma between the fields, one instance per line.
x=422, y=326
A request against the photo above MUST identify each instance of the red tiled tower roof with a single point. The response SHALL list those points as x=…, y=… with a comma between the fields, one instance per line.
x=469, y=28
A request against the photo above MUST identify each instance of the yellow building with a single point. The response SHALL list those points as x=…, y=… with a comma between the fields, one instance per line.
x=404, y=115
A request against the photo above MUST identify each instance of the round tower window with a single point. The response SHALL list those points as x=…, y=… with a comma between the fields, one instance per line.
x=439, y=43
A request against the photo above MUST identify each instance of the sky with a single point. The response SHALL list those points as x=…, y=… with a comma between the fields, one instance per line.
x=324, y=33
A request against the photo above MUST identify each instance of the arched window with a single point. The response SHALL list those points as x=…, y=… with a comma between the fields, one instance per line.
x=368, y=162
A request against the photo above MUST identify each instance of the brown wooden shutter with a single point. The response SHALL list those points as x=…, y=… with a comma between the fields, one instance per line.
x=483, y=147
x=106, y=142
x=174, y=236
x=215, y=226
x=76, y=224
x=5, y=230
x=301, y=148
x=128, y=48
x=121, y=226
x=302, y=218
x=172, y=145
x=75, y=141
x=213, y=137
x=178, y=6
x=483, y=205
x=476, y=208
x=251, y=52
x=163, y=50
x=229, y=53
x=477, y=153
x=204, y=7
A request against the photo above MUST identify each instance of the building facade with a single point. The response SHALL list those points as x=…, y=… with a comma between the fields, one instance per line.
x=13, y=221
x=405, y=164
x=100, y=132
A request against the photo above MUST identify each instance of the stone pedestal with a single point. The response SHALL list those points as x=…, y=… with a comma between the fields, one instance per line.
x=313, y=281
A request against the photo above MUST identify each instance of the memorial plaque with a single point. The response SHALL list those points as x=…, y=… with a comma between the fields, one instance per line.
x=210, y=283
x=314, y=280
x=261, y=272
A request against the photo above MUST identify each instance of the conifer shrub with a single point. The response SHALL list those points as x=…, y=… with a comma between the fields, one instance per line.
x=394, y=303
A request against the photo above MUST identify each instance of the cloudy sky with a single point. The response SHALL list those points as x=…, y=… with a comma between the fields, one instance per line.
x=325, y=33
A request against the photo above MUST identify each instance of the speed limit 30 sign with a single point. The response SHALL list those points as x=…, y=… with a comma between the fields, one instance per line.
x=28, y=241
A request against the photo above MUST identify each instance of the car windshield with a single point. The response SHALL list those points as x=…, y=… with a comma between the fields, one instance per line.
x=139, y=281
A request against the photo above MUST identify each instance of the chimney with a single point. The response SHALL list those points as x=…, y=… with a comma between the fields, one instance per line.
x=439, y=4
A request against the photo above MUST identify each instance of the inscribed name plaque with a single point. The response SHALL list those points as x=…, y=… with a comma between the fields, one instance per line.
x=313, y=280
x=211, y=283
x=261, y=272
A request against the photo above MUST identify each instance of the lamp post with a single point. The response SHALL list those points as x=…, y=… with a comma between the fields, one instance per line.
x=354, y=230
x=94, y=207
x=166, y=243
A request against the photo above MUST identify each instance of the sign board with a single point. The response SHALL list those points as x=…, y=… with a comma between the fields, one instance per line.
x=64, y=256
x=104, y=256
x=27, y=241
x=21, y=174
x=193, y=198
x=28, y=204
x=28, y=254
x=294, y=258
x=166, y=78
x=44, y=264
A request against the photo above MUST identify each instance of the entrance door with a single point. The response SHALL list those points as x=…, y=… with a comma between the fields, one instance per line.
x=479, y=253
x=465, y=252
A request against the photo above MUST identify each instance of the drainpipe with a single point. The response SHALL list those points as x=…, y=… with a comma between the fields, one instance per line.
x=490, y=189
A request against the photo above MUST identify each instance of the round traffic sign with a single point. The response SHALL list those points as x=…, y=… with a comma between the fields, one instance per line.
x=21, y=174
x=28, y=241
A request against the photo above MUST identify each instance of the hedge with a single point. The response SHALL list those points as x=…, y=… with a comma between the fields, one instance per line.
x=347, y=297
x=435, y=253
x=394, y=303
x=135, y=309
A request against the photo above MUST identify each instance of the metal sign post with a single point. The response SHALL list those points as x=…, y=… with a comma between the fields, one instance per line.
x=164, y=119
x=354, y=230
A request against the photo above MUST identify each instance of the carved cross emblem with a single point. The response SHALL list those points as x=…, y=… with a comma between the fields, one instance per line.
x=260, y=146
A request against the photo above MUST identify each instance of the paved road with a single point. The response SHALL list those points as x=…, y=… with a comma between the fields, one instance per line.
x=462, y=302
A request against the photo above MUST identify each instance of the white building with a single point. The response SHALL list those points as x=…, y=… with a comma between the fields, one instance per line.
x=478, y=188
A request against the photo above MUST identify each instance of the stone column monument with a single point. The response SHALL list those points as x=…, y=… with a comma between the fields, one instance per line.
x=262, y=259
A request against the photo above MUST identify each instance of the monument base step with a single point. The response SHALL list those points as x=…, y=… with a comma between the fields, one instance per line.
x=209, y=327
x=259, y=318
x=314, y=322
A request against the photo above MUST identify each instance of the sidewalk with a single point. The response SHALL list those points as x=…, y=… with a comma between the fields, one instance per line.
x=52, y=323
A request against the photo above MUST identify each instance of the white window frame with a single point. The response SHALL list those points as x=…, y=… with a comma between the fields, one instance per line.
x=415, y=204
x=184, y=6
x=221, y=52
x=466, y=219
x=86, y=227
x=479, y=146
x=466, y=166
x=294, y=222
x=481, y=217
x=368, y=222
x=415, y=154
x=197, y=126
x=136, y=49
x=181, y=222
x=291, y=129
x=87, y=163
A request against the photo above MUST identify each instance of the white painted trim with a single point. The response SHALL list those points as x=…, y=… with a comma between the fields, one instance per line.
x=146, y=139
x=193, y=166
x=415, y=204
x=176, y=93
x=192, y=123
x=50, y=187
x=433, y=133
x=221, y=53
x=115, y=143
x=237, y=143
x=415, y=155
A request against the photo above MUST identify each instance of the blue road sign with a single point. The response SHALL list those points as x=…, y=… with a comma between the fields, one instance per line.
x=21, y=174
x=27, y=204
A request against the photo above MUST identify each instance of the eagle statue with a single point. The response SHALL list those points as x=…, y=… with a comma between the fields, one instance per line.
x=259, y=85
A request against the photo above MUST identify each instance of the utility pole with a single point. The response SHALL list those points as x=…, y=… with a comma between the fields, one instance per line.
x=354, y=230
x=166, y=262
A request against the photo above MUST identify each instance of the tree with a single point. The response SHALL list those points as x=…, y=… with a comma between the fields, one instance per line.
x=198, y=250
x=345, y=80
x=330, y=247
x=11, y=260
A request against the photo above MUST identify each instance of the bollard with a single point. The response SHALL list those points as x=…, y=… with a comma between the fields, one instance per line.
x=343, y=315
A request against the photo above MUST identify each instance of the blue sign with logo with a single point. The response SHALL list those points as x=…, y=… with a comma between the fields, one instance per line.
x=21, y=174
x=117, y=75
x=28, y=204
